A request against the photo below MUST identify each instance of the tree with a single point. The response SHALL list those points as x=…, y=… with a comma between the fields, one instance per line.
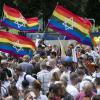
x=93, y=10
x=44, y=8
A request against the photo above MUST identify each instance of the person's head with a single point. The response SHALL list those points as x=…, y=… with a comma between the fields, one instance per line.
x=88, y=89
x=61, y=89
x=66, y=61
x=80, y=73
x=43, y=65
x=36, y=57
x=97, y=80
x=62, y=66
x=74, y=78
x=55, y=77
x=88, y=49
x=71, y=46
x=18, y=70
x=96, y=97
x=55, y=90
x=39, y=48
x=30, y=96
x=54, y=46
x=13, y=92
x=41, y=41
x=78, y=48
x=50, y=47
x=4, y=63
x=52, y=62
x=36, y=87
x=20, y=60
x=43, y=54
x=53, y=54
x=26, y=58
x=90, y=59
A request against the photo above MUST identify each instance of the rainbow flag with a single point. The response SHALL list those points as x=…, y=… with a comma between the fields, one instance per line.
x=32, y=24
x=14, y=19
x=13, y=14
x=16, y=45
x=96, y=37
x=70, y=25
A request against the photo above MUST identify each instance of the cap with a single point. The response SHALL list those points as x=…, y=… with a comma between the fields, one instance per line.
x=67, y=59
x=36, y=55
x=4, y=61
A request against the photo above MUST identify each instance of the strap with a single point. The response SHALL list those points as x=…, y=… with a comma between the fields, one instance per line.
x=5, y=89
x=25, y=76
x=87, y=80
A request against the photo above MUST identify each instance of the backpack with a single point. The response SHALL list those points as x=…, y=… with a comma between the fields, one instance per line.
x=25, y=82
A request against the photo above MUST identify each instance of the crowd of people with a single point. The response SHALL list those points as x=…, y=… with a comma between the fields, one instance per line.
x=49, y=75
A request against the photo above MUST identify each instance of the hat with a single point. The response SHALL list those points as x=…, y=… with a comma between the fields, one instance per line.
x=36, y=55
x=4, y=61
x=67, y=59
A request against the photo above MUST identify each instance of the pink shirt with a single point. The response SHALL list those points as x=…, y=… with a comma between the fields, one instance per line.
x=81, y=96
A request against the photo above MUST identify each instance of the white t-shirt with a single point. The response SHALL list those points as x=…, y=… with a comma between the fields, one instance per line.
x=93, y=53
x=86, y=80
x=4, y=88
x=67, y=75
x=42, y=97
x=21, y=78
x=44, y=77
x=72, y=90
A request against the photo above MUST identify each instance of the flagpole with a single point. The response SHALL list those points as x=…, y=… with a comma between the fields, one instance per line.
x=93, y=29
x=2, y=12
x=50, y=19
x=1, y=18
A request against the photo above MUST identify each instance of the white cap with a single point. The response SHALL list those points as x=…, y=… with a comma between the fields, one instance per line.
x=4, y=61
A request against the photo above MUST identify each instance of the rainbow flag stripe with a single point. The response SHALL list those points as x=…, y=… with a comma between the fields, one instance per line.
x=16, y=45
x=13, y=14
x=14, y=19
x=96, y=37
x=70, y=25
x=32, y=22
x=20, y=26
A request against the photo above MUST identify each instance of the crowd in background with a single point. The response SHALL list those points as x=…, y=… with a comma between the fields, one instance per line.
x=51, y=76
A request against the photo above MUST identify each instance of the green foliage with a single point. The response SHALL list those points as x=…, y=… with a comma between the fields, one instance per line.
x=44, y=8
x=93, y=10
